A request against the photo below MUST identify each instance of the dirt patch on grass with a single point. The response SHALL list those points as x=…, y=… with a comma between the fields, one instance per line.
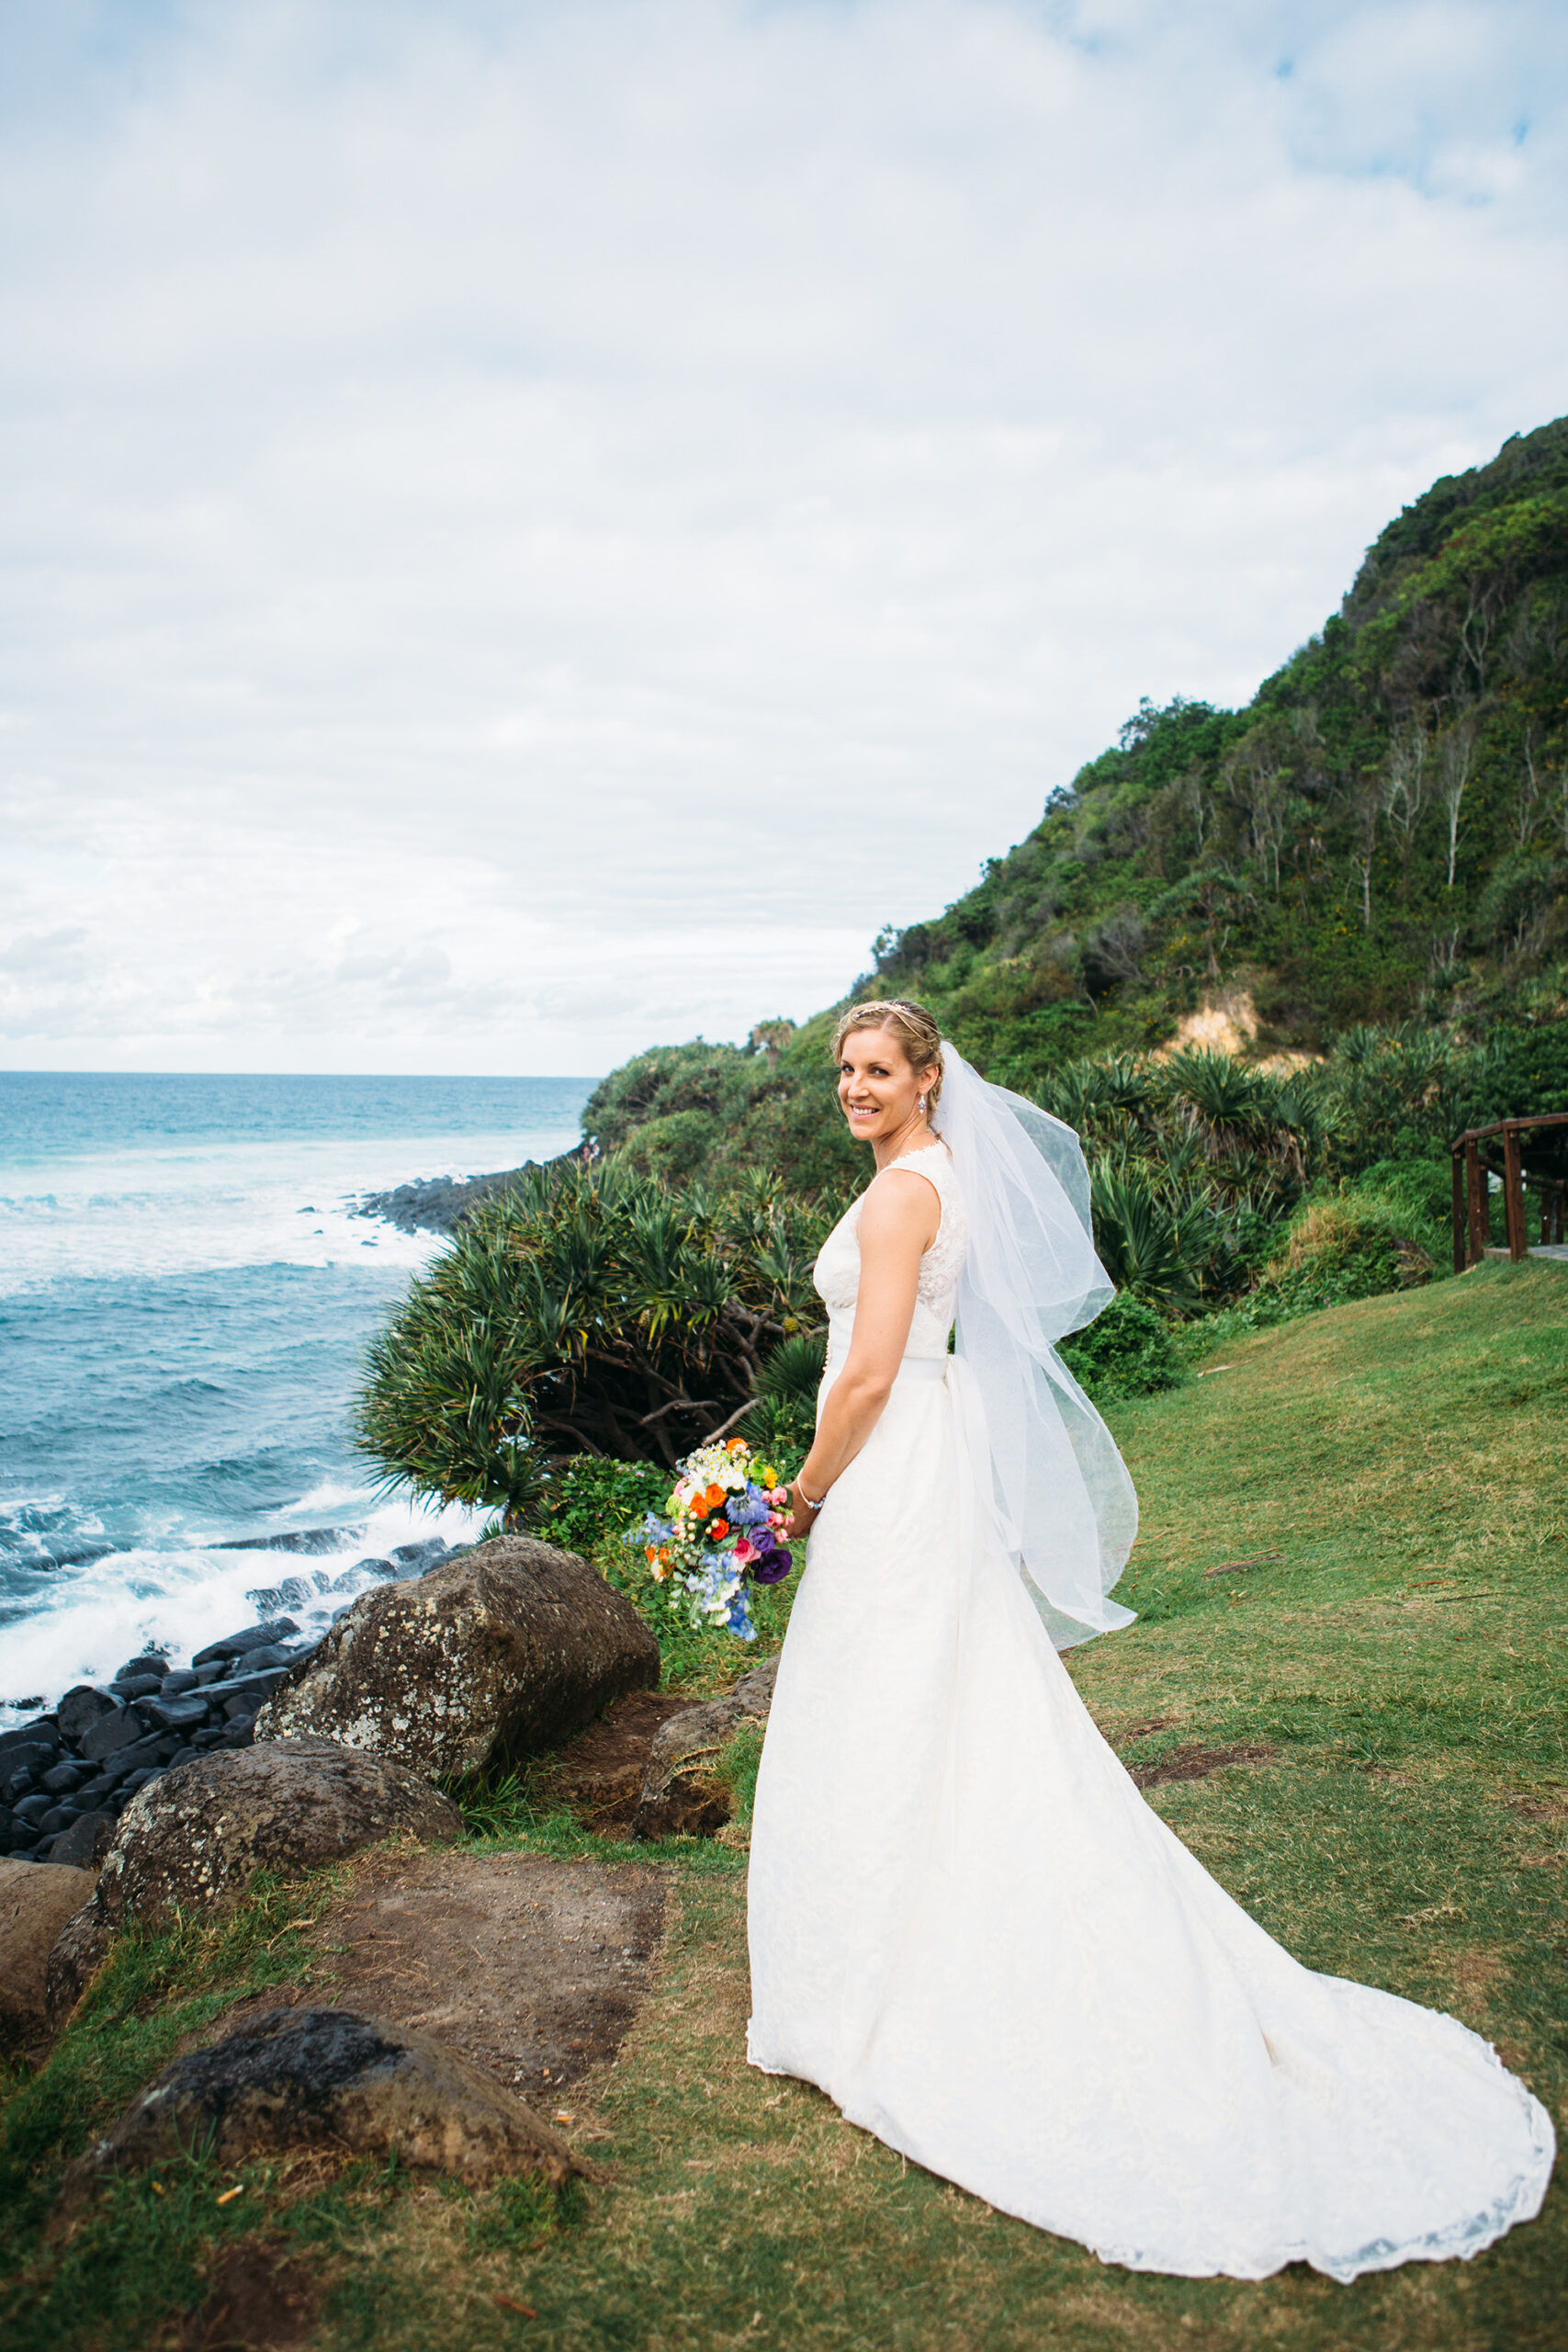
x=1472, y=1975
x=598, y=1777
x=1128, y=1734
x=1192, y=1763
x=534, y=1969
x=1540, y=1808
x=260, y=2300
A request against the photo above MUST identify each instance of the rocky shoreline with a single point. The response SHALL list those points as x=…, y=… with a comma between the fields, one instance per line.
x=67, y=1775
x=439, y=1204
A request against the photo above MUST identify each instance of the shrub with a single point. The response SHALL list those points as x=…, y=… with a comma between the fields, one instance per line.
x=1345, y=1245
x=589, y=1496
x=784, y=1417
x=1127, y=1351
x=1147, y=1245
x=585, y=1311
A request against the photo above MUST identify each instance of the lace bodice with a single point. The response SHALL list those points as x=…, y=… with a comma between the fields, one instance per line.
x=837, y=1271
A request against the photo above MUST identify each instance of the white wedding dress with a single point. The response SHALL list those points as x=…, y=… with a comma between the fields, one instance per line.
x=968, y=1927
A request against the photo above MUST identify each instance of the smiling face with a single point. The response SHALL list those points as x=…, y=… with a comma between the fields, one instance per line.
x=879, y=1090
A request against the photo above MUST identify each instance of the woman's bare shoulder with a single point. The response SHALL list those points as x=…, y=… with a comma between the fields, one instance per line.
x=899, y=1203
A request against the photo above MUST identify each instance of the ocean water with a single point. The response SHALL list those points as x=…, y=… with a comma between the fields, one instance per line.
x=184, y=1296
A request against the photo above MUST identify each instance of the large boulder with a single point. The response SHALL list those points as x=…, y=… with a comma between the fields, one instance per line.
x=490, y=1656
x=36, y=1901
x=332, y=2079
x=682, y=1792
x=195, y=1837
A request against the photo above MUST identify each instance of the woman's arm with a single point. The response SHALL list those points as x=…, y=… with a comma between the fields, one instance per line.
x=898, y=1224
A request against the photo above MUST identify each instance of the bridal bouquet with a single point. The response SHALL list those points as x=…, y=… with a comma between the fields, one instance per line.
x=720, y=1532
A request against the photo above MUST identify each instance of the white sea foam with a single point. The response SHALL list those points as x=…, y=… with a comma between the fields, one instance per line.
x=199, y=1207
x=179, y=1599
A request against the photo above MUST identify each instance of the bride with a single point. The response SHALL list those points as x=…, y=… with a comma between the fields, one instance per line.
x=965, y=1924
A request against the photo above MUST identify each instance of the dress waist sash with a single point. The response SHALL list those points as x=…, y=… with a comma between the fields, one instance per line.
x=911, y=1368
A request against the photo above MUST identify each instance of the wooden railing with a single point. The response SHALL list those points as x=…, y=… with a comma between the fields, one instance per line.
x=1472, y=1205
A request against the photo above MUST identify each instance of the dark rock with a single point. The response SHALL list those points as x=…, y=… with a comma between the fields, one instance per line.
x=208, y=1672
x=84, y=1844
x=210, y=1738
x=32, y=1809
x=253, y=1637
x=680, y=1794
x=59, y=1816
x=182, y=1678
x=413, y=1559
x=492, y=1656
x=258, y=1684
x=268, y=1654
x=294, y=1592
x=118, y=1729
x=79, y=1709
x=35, y=1905
x=328, y=2078
x=297, y=1539
x=361, y=1568
x=135, y=1686
x=145, y=1750
x=29, y=1753
x=239, y=1733
x=177, y=1714
x=150, y=1662
x=196, y=1835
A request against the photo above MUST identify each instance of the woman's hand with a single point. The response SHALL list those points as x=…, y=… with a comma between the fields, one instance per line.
x=800, y=1522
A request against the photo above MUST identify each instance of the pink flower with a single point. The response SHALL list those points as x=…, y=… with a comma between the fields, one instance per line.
x=745, y=1551
x=779, y=1497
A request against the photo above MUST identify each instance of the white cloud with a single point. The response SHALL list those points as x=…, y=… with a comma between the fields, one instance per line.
x=540, y=529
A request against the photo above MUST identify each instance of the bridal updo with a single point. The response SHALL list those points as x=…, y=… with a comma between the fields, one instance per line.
x=913, y=1028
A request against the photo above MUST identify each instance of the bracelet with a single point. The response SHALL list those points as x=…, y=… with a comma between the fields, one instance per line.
x=805, y=1498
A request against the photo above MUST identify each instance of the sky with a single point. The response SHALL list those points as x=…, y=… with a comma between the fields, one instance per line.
x=532, y=530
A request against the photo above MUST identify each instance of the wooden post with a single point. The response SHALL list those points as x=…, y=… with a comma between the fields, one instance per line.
x=1457, y=1164
x=1475, y=1196
x=1514, y=1196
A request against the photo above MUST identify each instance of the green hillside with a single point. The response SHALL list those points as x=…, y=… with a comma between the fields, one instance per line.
x=1365, y=873
x=1379, y=837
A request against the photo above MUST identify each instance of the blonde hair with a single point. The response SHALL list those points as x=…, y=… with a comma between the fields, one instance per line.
x=913, y=1028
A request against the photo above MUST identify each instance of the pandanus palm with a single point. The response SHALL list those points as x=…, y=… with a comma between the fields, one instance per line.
x=585, y=1312
x=1149, y=1245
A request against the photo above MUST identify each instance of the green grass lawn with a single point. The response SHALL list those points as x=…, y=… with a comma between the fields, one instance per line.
x=1393, y=1472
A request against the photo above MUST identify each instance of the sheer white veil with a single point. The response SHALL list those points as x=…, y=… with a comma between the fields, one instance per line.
x=1064, y=1507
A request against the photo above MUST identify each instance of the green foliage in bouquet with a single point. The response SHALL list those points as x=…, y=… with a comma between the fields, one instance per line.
x=587, y=1311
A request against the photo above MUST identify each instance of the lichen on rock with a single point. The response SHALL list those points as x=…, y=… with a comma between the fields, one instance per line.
x=490, y=1656
x=682, y=1792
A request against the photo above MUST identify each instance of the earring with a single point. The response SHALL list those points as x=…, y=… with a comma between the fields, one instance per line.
x=922, y=1106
